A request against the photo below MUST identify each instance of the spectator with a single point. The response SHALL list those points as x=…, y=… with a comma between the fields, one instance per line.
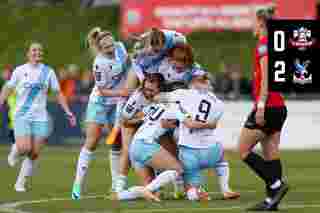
x=234, y=76
x=10, y=103
x=221, y=83
x=70, y=82
x=231, y=82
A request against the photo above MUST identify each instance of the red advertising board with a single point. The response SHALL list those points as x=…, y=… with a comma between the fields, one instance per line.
x=289, y=9
x=195, y=15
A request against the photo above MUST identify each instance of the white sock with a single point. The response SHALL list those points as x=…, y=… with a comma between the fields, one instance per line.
x=162, y=179
x=121, y=183
x=223, y=172
x=178, y=184
x=15, y=153
x=14, y=150
x=85, y=157
x=114, y=166
x=27, y=169
x=131, y=194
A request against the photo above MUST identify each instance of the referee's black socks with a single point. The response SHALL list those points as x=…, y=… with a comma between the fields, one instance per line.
x=259, y=166
x=275, y=172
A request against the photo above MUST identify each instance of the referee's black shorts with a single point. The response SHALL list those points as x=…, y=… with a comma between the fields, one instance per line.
x=274, y=119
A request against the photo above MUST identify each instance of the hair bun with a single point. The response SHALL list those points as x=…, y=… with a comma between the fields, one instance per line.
x=94, y=33
x=270, y=11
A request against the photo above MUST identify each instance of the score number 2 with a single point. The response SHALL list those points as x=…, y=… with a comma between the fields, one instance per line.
x=279, y=46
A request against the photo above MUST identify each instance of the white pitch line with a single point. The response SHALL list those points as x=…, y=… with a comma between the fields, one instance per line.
x=285, y=206
x=13, y=206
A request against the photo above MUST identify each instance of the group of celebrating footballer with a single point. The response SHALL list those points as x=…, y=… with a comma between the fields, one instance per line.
x=159, y=103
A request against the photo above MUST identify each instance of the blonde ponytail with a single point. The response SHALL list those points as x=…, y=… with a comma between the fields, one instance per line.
x=92, y=40
x=94, y=37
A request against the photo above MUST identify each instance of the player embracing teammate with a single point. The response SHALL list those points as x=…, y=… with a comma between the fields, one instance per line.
x=156, y=106
x=175, y=65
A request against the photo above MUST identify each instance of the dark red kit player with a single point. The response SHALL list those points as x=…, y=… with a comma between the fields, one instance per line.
x=264, y=124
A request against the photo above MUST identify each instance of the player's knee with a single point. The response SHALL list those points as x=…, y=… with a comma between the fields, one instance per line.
x=90, y=146
x=24, y=149
x=271, y=155
x=91, y=143
x=244, y=150
x=271, y=150
x=244, y=154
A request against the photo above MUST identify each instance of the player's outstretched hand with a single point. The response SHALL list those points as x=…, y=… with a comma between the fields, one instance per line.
x=72, y=119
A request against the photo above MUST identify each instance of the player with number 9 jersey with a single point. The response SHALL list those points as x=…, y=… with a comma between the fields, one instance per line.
x=203, y=107
x=200, y=146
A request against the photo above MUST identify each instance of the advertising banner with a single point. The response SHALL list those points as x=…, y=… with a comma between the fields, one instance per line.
x=203, y=15
x=189, y=15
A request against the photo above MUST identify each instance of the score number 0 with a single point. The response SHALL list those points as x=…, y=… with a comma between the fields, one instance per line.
x=279, y=46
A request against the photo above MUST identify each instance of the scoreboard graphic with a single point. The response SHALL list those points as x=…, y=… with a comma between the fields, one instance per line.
x=294, y=55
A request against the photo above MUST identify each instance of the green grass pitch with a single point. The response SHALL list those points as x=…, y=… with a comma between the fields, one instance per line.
x=51, y=186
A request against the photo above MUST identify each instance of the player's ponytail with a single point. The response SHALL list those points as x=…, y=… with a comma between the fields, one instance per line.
x=92, y=40
x=94, y=37
x=265, y=14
